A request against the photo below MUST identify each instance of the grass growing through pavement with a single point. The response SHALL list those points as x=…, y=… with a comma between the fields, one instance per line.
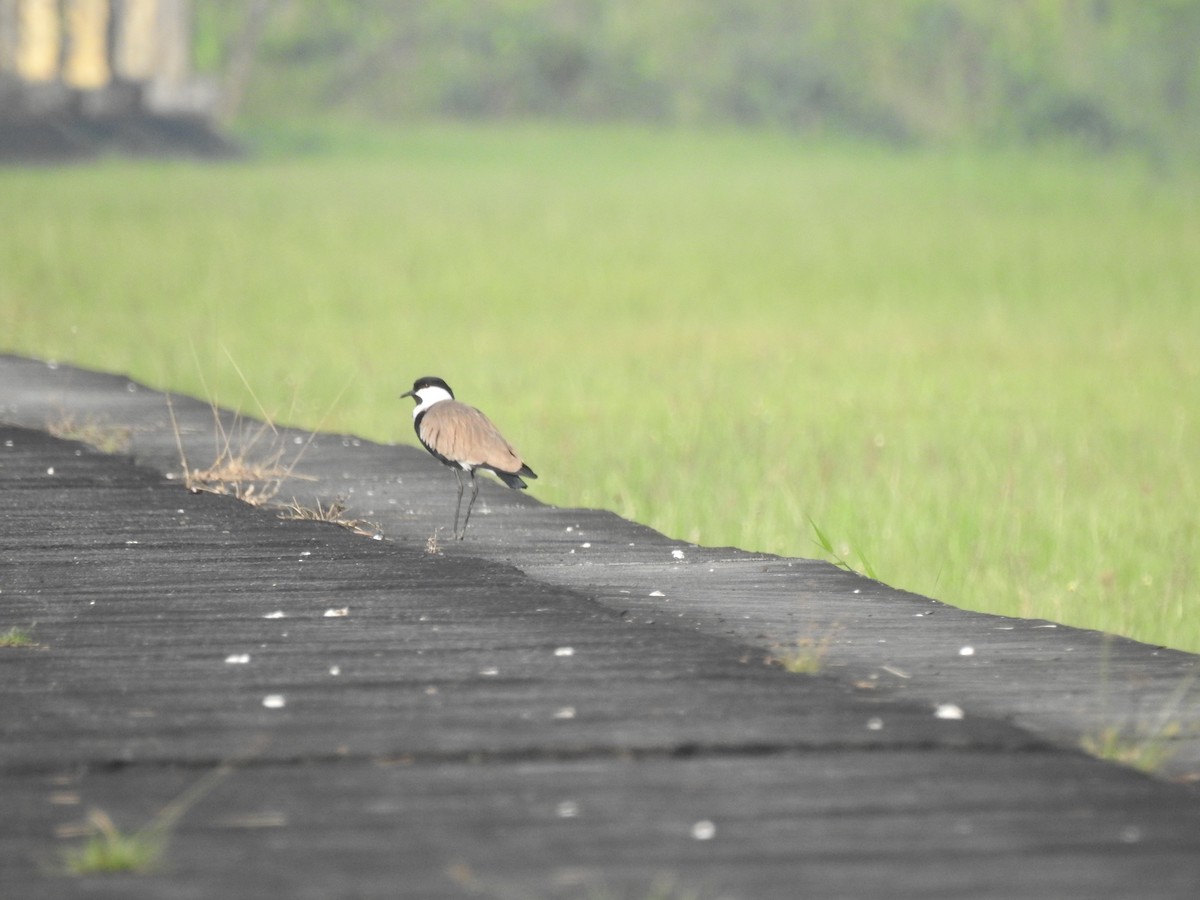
x=1147, y=753
x=1144, y=742
x=108, y=849
x=806, y=656
x=16, y=637
x=976, y=371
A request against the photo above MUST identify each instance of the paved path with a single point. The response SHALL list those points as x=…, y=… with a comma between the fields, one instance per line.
x=519, y=716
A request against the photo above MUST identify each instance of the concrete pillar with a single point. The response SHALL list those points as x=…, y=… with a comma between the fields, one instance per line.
x=86, y=64
x=135, y=40
x=39, y=40
x=174, y=22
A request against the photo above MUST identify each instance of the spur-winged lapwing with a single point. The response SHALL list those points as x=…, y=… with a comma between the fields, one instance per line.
x=464, y=439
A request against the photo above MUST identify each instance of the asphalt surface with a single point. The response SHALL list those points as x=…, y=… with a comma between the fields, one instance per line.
x=563, y=705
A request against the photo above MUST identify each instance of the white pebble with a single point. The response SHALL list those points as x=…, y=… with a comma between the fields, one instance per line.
x=278, y=614
x=948, y=711
x=568, y=809
x=274, y=701
x=657, y=594
x=337, y=613
x=704, y=830
x=678, y=554
x=567, y=712
x=564, y=651
x=875, y=724
x=237, y=658
x=966, y=651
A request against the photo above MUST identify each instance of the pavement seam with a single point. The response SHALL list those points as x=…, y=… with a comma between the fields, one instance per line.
x=519, y=755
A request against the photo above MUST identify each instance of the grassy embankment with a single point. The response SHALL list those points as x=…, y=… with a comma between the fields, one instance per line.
x=979, y=375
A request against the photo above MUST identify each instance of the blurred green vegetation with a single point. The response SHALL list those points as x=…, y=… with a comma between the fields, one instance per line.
x=974, y=371
x=1103, y=73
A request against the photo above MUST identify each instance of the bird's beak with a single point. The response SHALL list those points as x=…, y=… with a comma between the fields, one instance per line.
x=408, y=394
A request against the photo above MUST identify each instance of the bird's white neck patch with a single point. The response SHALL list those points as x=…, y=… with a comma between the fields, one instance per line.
x=428, y=396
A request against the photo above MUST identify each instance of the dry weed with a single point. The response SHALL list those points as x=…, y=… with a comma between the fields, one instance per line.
x=431, y=544
x=249, y=461
x=93, y=432
x=334, y=513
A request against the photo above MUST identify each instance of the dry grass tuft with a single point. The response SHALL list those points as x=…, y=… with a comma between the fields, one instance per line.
x=249, y=461
x=253, y=481
x=431, y=544
x=334, y=513
x=93, y=432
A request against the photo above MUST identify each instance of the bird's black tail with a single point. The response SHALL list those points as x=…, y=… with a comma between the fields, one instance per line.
x=513, y=479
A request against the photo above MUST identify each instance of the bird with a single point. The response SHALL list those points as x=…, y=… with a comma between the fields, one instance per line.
x=463, y=438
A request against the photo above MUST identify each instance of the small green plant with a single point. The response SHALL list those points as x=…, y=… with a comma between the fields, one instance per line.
x=1145, y=752
x=806, y=656
x=1145, y=746
x=105, y=438
x=823, y=541
x=16, y=637
x=108, y=849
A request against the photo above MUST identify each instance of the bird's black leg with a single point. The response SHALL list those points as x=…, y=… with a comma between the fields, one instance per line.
x=458, y=478
x=474, y=493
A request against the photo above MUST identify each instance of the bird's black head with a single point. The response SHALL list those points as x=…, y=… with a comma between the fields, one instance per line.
x=428, y=381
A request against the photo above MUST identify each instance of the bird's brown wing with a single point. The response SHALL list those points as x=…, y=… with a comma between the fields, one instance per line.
x=463, y=434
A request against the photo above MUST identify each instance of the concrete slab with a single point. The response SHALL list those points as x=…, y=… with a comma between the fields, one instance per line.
x=464, y=729
x=1060, y=683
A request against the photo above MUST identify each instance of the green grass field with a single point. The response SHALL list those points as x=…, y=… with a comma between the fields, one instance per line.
x=978, y=374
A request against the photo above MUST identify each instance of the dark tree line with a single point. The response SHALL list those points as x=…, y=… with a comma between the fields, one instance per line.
x=1110, y=73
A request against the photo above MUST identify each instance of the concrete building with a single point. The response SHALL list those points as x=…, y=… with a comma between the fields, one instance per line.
x=85, y=76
